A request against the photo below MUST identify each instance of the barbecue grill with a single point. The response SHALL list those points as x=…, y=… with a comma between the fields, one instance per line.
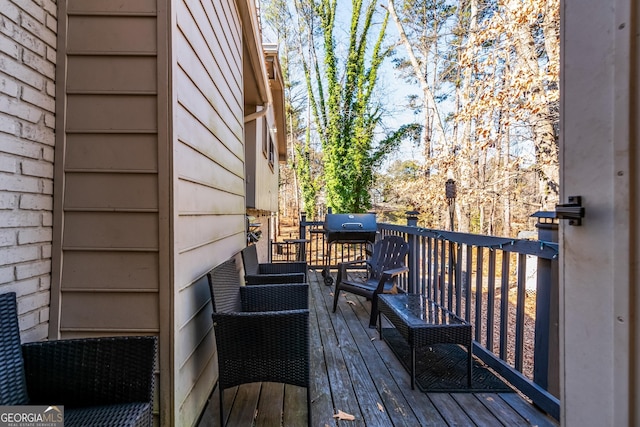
x=347, y=228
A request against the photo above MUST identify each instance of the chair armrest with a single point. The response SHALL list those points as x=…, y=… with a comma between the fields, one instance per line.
x=343, y=266
x=395, y=271
x=92, y=371
x=275, y=297
x=347, y=264
x=260, y=279
x=282, y=267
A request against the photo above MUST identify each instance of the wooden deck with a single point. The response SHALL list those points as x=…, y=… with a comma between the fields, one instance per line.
x=354, y=372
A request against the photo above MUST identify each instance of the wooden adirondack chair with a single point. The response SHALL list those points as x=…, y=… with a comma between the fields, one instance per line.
x=385, y=264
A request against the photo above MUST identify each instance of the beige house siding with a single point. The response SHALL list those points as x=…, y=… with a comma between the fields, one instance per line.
x=108, y=202
x=262, y=165
x=149, y=167
x=27, y=105
x=209, y=187
x=107, y=173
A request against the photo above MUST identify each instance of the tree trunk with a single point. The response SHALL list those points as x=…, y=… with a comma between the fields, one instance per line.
x=430, y=104
x=545, y=135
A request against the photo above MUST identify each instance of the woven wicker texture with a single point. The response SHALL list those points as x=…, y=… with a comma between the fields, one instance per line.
x=92, y=371
x=276, y=272
x=123, y=415
x=440, y=326
x=255, y=345
x=100, y=381
x=385, y=264
x=270, y=297
x=13, y=388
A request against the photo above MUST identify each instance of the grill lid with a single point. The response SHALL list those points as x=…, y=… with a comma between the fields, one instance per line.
x=350, y=227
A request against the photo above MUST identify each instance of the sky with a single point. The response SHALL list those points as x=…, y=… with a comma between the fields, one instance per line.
x=391, y=87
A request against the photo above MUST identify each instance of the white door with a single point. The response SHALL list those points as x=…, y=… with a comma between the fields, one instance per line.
x=599, y=161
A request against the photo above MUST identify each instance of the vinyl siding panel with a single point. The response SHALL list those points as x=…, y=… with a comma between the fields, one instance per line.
x=107, y=276
x=112, y=230
x=207, y=65
x=204, y=200
x=150, y=179
x=110, y=270
x=193, y=133
x=196, y=168
x=129, y=312
x=112, y=191
x=193, y=231
x=111, y=113
x=203, y=110
x=262, y=166
x=112, y=34
x=209, y=184
x=111, y=152
x=92, y=73
x=225, y=46
x=131, y=7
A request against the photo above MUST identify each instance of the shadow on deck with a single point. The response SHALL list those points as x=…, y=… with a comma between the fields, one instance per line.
x=354, y=372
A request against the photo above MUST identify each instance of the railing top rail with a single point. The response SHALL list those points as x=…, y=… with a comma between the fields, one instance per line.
x=539, y=248
x=311, y=223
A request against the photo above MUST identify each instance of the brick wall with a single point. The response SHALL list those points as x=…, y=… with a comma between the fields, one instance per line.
x=27, y=138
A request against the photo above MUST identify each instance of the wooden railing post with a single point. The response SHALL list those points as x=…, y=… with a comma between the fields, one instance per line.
x=302, y=234
x=546, y=371
x=412, y=262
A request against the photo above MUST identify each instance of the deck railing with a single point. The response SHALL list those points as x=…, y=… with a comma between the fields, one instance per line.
x=506, y=288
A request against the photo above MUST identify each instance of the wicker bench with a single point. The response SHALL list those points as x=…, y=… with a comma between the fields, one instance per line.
x=104, y=382
x=423, y=322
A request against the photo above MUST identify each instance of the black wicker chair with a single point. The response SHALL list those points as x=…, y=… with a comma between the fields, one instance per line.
x=262, y=332
x=385, y=264
x=256, y=273
x=100, y=381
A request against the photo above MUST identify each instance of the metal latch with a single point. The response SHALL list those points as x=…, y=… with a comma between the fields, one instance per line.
x=573, y=211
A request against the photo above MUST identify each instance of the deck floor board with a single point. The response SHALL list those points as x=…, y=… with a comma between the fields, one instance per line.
x=353, y=371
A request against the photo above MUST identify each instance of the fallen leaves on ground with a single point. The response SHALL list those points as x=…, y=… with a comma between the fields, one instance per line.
x=380, y=407
x=343, y=416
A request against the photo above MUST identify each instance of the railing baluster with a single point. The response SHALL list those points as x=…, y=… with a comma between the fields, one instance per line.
x=443, y=273
x=479, y=278
x=430, y=281
x=424, y=275
x=458, y=278
x=491, y=295
x=520, y=314
x=436, y=270
x=467, y=284
x=504, y=306
x=413, y=263
x=450, y=275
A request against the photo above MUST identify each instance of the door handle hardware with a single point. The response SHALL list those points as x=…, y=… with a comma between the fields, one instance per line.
x=573, y=211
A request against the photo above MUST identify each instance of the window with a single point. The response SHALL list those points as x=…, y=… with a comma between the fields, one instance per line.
x=265, y=138
x=272, y=151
